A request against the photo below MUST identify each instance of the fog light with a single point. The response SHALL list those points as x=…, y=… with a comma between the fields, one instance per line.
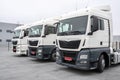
x=39, y=50
x=83, y=56
x=83, y=62
x=57, y=55
x=39, y=54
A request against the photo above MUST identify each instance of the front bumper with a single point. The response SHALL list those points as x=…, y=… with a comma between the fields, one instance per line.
x=79, y=66
x=20, y=50
x=33, y=52
x=77, y=61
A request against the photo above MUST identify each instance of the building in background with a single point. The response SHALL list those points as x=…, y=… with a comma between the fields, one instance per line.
x=6, y=33
x=116, y=38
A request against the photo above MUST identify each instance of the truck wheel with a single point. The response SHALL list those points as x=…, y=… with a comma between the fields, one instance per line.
x=53, y=56
x=27, y=53
x=101, y=64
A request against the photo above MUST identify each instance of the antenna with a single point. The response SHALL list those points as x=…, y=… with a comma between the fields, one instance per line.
x=76, y=7
x=87, y=3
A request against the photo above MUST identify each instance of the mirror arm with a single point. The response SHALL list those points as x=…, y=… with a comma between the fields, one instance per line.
x=21, y=37
x=90, y=33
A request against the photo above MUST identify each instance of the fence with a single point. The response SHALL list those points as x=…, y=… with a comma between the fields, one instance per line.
x=116, y=45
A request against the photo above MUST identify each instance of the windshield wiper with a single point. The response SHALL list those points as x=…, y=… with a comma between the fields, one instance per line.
x=76, y=32
x=38, y=35
x=70, y=33
x=15, y=37
x=63, y=33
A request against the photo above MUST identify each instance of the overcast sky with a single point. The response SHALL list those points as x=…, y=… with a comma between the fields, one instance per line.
x=27, y=11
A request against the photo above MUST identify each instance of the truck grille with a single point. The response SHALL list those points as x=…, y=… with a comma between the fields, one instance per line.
x=33, y=43
x=70, y=44
x=14, y=48
x=14, y=42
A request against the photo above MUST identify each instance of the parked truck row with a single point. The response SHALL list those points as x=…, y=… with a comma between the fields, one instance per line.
x=81, y=39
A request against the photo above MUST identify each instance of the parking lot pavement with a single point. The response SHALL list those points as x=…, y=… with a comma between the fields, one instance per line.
x=13, y=67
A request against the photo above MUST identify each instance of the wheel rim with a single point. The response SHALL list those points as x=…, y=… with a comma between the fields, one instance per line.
x=103, y=63
x=54, y=56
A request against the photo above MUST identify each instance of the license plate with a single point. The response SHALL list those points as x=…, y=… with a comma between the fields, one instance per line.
x=68, y=58
x=32, y=52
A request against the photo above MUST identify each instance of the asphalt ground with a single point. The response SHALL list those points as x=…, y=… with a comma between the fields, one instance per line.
x=14, y=67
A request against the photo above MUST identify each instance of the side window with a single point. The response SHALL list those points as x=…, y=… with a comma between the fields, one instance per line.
x=97, y=23
x=9, y=31
x=0, y=30
x=0, y=40
x=94, y=24
x=51, y=30
x=8, y=40
x=101, y=24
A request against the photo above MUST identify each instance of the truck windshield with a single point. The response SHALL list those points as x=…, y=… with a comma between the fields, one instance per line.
x=72, y=26
x=35, y=31
x=17, y=33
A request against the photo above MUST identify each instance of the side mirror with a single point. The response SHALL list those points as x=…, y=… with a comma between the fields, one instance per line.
x=43, y=36
x=90, y=33
x=94, y=24
x=21, y=37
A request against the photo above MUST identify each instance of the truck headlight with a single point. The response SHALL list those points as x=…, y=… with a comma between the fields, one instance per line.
x=83, y=56
x=18, y=47
x=39, y=50
x=83, y=62
x=57, y=55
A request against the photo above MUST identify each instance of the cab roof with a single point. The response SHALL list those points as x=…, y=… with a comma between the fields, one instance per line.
x=49, y=21
x=22, y=27
x=100, y=10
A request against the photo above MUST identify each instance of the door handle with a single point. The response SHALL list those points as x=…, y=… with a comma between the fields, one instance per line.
x=53, y=42
x=101, y=43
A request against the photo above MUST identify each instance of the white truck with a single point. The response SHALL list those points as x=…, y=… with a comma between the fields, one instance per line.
x=19, y=40
x=41, y=40
x=84, y=39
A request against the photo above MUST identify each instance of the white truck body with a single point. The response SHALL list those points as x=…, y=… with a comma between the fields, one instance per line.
x=19, y=41
x=84, y=39
x=41, y=40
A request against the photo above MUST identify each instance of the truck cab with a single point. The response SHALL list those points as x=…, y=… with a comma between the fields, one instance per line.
x=41, y=40
x=84, y=39
x=19, y=40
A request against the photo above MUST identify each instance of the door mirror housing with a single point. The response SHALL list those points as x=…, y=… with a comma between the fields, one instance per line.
x=43, y=36
x=94, y=24
x=90, y=33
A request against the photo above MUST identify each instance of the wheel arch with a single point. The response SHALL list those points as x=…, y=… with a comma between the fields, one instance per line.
x=106, y=57
x=54, y=49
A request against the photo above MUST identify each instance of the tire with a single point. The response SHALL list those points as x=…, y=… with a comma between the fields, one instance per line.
x=53, y=56
x=27, y=53
x=101, y=64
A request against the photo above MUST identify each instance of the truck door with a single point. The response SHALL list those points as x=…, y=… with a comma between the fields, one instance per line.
x=100, y=32
x=50, y=35
x=24, y=37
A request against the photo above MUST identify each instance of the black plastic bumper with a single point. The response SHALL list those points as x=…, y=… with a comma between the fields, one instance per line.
x=36, y=55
